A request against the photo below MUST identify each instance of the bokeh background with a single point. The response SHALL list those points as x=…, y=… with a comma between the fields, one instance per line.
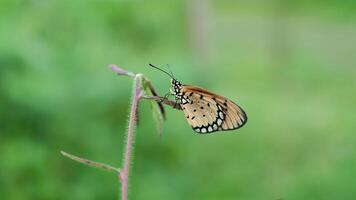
x=290, y=64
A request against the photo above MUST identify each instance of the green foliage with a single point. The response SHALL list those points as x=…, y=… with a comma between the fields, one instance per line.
x=290, y=66
x=158, y=112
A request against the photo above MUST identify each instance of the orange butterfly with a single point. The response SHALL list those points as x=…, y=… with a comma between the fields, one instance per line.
x=205, y=111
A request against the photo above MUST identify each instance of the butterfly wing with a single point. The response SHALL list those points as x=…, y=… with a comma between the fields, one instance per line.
x=207, y=112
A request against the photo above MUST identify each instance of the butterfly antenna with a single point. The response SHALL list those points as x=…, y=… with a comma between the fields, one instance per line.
x=170, y=71
x=162, y=71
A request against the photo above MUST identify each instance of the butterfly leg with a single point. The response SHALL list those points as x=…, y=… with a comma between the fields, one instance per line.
x=164, y=100
x=165, y=97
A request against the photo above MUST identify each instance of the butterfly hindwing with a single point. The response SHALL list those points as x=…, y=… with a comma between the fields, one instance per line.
x=201, y=113
x=235, y=116
x=207, y=112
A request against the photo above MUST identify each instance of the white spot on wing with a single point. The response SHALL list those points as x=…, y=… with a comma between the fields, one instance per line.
x=221, y=115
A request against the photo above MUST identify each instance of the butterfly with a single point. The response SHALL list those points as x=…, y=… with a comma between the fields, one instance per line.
x=206, y=112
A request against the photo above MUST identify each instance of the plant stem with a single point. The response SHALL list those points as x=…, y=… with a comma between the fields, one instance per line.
x=91, y=163
x=140, y=82
x=130, y=134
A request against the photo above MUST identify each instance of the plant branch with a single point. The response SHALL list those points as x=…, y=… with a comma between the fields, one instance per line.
x=91, y=163
x=141, y=85
x=121, y=71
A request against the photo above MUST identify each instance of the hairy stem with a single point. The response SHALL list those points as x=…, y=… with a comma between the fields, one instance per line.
x=140, y=82
x=137, y=94
x=129, y=143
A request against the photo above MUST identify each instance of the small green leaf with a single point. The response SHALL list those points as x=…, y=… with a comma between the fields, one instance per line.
x=157, y=107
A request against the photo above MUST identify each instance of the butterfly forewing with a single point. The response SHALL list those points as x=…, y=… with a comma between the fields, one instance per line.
x=207, y=112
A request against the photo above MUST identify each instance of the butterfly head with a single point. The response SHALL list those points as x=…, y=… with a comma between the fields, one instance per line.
x=176, y=87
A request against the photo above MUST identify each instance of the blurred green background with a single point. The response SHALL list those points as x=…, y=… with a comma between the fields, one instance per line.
x=290, y=64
